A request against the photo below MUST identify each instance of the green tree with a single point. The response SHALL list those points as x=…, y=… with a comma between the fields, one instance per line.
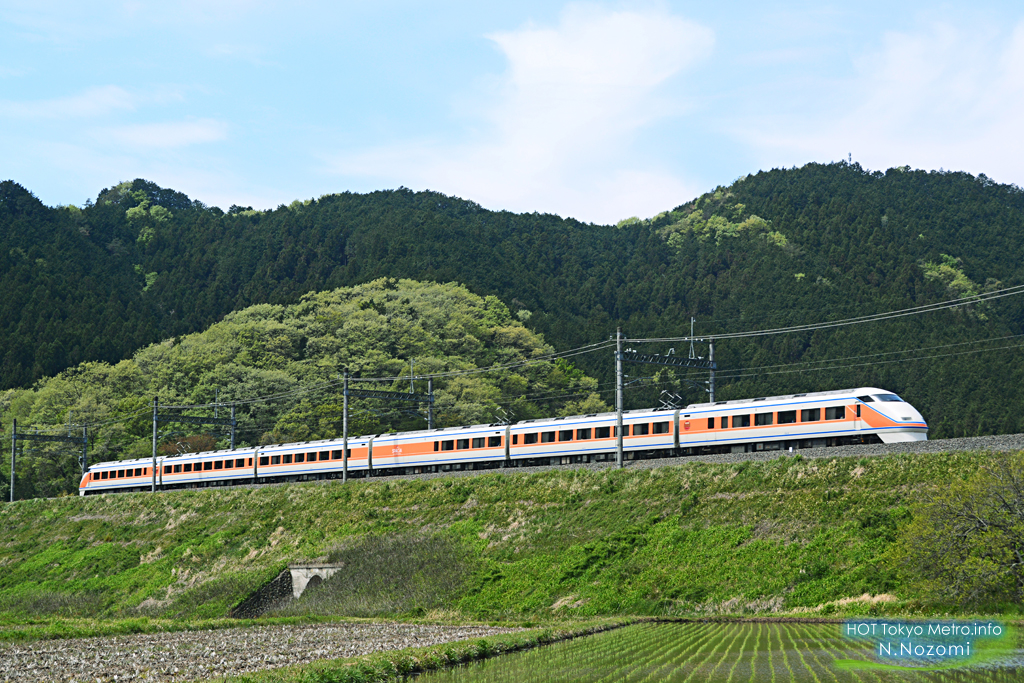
x=965, y=545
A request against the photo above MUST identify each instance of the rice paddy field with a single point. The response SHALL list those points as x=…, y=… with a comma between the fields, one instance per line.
x=725, y=652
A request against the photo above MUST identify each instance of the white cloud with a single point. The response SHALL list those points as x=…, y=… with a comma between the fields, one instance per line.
x=99, y=101
x=943, y=96
x=559, y=134
x=145, y=136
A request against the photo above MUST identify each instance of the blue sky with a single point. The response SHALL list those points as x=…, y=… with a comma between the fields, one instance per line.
x=598, y=111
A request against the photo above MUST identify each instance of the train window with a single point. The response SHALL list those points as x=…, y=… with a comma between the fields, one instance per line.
x=547, y=437
x=858, y=410
x=208, y=465
x=177, y=469
x=625, y=430
x=583, y=434
x=515, y=439
x=835, y=413
x=787, y=417
x=188, y=467
x=138, y=472
x=219, y=465
x=866, y=399
x=447, y=445
x=167, y=468
x=229, y=464
x=711, y=423
x=889, y=398
x=641, y=429
x=602, y=432
x=810, y=415
x=493, y=441
x=763, y=419
x=530, y=438
x=325, y=455
x=661, y=427
x=740, y=420
x=461, y=444
x=336, y=455
x=565, y=435
x=264, y=461
x=287, y=458
x=437, y=445
x=725, y=422
x=275, y=460
x=478, y=442
x=300, y=457
x=120, y=474
x=104, y=475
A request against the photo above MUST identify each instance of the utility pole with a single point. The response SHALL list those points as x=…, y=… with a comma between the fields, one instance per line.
x=711, y=357
x=344, y=431
x=232, y=426
x=618, y=396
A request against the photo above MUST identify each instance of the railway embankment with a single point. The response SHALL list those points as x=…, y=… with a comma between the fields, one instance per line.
x=787, y=533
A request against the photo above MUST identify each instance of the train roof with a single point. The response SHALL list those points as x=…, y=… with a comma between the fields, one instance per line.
x=860, y=391
x=816, y=394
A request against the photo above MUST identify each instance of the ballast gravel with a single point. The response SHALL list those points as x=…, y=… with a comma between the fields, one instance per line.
x=202, y=655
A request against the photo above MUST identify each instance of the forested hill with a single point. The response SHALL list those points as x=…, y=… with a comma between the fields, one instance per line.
x=777, y=248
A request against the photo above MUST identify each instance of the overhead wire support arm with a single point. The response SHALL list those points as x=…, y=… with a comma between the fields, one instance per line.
x=189, y=419
x=348, y=393
x=671, y=361
x=391, y=395
x=83, y=441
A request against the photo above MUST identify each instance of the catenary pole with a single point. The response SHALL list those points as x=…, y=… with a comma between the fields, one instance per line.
x=711, y=357
x=156, y=402
x=618, y=396
x=430, y=403
x=14, y=448
x=344, y=431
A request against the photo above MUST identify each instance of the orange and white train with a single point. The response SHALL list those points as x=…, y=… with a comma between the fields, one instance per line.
x=776, y=423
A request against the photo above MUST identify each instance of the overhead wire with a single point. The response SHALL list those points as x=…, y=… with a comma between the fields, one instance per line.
x=875, y=317
x=597, y=346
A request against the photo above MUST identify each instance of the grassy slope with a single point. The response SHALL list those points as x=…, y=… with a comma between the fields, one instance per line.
x=671, y=540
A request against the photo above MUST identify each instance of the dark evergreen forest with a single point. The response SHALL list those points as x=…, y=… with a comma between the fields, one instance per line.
x=777, y=248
